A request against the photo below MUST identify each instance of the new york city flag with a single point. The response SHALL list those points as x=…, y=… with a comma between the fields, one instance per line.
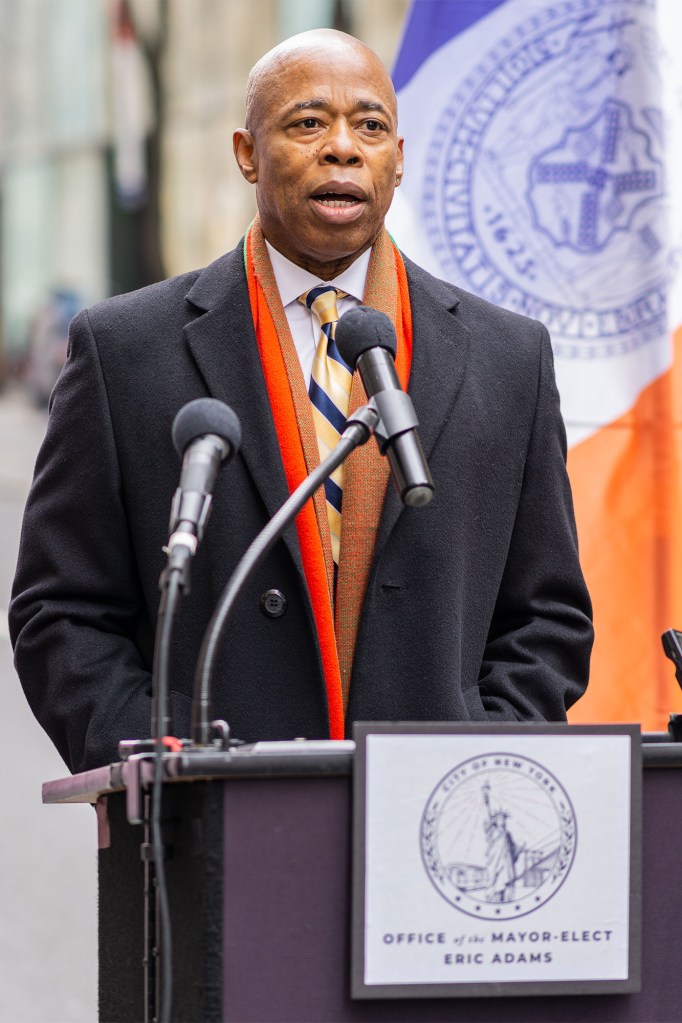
x=544, y=173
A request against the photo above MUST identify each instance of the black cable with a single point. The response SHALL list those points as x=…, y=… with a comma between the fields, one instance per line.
x=171, y=590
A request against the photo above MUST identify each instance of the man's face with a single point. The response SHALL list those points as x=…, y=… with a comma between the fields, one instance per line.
x=324, y=156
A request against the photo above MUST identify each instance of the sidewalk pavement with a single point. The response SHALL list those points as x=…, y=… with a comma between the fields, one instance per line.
x=48, y=859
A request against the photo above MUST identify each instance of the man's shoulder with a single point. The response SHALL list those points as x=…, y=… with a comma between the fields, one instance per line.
x=145, y=303
x=172, y=297
x=472, y=311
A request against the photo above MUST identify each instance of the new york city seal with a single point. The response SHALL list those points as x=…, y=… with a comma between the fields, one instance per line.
x=498, y=836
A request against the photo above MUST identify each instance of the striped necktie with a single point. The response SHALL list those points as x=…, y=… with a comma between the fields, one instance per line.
x=329, y=394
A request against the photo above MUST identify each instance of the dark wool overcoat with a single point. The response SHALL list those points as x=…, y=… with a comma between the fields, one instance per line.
x=475, y=608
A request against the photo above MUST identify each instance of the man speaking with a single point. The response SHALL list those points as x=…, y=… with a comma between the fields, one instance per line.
x=470, y=609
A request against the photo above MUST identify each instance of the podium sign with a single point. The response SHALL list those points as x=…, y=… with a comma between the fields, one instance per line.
x=496, y=860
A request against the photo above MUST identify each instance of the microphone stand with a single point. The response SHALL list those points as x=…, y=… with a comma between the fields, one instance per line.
x=173, y=583
x=357, y=431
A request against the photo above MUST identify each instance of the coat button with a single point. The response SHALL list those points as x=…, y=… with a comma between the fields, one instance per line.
x=273, y=603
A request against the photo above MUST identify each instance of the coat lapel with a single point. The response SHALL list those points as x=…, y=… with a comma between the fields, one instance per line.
x=439, y=351
x=223, y=343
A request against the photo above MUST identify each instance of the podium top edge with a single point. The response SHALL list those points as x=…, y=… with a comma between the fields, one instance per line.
x=296, y=758
x=85, y=787
x=293, y=757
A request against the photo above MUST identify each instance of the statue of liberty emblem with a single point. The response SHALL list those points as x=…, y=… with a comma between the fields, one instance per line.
x=498, y=836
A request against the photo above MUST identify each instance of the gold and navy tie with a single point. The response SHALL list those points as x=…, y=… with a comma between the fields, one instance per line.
x=329, y=392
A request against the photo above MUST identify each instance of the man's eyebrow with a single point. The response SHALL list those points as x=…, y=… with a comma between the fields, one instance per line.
x=366, y=105
x=373, y=105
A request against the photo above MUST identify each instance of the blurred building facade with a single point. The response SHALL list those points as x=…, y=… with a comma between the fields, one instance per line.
x=116, y=121
x=53, y=130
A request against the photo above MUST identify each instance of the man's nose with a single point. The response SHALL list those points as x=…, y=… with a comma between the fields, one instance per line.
x=341, y=145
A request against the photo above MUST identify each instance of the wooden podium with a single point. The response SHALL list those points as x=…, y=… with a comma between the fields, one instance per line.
x=259, y=865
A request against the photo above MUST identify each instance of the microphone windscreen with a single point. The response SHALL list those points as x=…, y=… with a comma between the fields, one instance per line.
x=202, y=416
x=363, y=328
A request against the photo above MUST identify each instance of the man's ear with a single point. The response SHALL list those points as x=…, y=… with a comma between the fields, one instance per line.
x=244, y=146
x=400, y=166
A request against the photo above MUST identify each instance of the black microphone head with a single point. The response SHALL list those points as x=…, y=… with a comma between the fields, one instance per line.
x=363, y=328
x=202, y=416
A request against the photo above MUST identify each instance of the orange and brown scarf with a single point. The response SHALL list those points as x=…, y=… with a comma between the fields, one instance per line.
x=366, y=472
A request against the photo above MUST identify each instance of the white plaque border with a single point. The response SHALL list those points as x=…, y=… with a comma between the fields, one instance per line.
x=491, y=989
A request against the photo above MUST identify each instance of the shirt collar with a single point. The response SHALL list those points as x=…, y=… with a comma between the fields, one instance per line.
x=293, y=280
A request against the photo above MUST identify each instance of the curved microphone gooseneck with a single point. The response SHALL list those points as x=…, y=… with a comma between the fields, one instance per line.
x=356, y=432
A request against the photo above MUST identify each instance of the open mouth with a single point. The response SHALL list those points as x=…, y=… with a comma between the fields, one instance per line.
x=337, y=200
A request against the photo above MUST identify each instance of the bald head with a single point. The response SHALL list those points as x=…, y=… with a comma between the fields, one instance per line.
x=322, y=43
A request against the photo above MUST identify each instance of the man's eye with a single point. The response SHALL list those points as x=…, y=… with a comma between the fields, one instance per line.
x=373, y=125
x=309, y=122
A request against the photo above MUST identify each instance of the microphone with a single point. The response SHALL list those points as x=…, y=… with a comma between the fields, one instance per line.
x=206, y=432
x=366, y=339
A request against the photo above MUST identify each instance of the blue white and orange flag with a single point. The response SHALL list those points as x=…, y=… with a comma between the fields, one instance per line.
x=544, y=172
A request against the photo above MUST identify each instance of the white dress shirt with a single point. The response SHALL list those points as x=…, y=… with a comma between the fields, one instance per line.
x=293, y=281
